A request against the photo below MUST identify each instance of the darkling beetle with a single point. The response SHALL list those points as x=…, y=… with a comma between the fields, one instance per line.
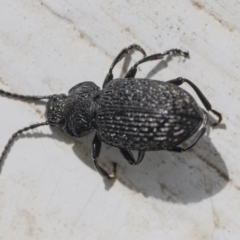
x=128, y=113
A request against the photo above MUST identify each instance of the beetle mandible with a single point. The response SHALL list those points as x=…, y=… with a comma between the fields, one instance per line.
x=129, y=113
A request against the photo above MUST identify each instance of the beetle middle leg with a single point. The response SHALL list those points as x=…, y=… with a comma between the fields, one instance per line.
x=119, y=57
x=96, y=149
x=127, y=154
x=206, y=103
x=133, y=70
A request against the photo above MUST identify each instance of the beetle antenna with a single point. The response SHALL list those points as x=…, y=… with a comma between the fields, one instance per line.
x=23, y=97
x=11, y=140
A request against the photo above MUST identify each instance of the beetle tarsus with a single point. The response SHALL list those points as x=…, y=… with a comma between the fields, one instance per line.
x=104, y=173
x=113, y=174
x=219, y=115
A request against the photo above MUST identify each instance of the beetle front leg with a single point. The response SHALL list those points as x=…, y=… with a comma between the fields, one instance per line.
x=96, y=149
x=127, y=154
x=119, y=57
x=206, y=103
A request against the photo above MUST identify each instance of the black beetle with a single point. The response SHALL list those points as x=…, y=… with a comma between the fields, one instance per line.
x=128, y=113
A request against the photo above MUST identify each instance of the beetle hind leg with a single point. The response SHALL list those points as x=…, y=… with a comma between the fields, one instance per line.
x=180, y=149
x=197, y=137
x=206, y=103
x=119, y=57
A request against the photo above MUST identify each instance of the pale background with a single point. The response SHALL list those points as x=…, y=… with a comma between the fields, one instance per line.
x=49, y=188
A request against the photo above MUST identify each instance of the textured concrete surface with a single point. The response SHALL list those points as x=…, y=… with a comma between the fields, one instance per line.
x=49, y=188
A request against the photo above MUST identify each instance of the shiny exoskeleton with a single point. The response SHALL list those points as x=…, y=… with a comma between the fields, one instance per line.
x=129, y=113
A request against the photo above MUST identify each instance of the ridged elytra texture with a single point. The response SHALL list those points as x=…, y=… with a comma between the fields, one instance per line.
x=142, y=114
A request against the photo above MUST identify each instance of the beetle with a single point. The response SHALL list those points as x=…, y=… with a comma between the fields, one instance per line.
x=128, y=113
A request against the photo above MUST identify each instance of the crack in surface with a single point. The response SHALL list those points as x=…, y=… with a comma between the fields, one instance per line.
x=2, y=82
x=221, y=174
x=215, y=218
x=82, y=34
x=211, y=14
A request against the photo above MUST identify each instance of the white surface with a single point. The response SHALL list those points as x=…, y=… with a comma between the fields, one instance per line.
x=49, y=188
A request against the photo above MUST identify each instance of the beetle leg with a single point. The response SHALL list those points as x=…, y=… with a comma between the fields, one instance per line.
x=96, y=148
x=119, y=57
x=196, y=139
x=127, y=154
x=133, y=70
x=206, y=103
x=180, y=149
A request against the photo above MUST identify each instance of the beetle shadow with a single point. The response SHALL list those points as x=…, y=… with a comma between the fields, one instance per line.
x=174, y=177
x=159, y=66
x=187, y=177
x=179, y=177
